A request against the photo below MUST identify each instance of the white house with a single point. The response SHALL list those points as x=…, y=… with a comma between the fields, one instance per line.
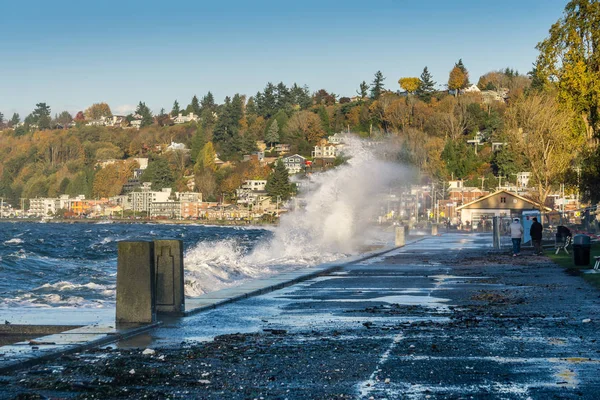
x=294, y=164
x=325, y=150
x=182, y=119
x=336, y=138
x=176, y=147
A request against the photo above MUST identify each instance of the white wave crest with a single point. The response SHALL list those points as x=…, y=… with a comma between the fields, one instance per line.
x=14, y=241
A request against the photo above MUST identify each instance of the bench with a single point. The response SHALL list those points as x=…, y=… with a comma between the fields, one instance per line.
x=563, y=245
x=597, y=263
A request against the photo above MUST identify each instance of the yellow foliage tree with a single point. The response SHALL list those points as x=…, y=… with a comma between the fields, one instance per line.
x=410, y=84
x=456, y=80
x=97, y=111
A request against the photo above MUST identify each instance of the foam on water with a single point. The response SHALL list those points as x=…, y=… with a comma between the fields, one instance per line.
x=334, y=223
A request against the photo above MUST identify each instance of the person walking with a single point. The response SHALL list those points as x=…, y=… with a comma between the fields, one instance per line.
x=516, y=234
x=536, y=236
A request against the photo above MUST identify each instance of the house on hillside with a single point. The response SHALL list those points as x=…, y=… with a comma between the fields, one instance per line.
x=294, y=164
x=182, y=119
x=325, y=150
x=499, y=204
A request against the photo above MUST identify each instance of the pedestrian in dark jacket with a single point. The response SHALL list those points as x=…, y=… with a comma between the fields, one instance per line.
x=536, y=236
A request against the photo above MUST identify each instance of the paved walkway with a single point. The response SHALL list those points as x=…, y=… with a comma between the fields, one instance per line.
x=441, y=318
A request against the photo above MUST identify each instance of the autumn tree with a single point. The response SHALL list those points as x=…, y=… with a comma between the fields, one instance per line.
x=307, y=126
x=569, y=59
x=97, y=111
x=544, y=134
x=411, y=85
x=377, y=86
x=79, y=117
x=462, y=67
x=457, y=80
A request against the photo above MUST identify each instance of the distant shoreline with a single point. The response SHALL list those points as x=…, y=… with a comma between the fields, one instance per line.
x=140, y=221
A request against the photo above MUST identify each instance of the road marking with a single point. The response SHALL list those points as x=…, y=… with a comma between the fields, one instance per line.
x=366, y=387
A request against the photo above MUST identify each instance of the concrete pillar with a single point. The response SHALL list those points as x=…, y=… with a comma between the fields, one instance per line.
x=400, y=239
x=136, y=302
x=434, y=230
x=168, y=262
x=496, y=229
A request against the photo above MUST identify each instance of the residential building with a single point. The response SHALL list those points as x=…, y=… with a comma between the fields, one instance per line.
x=336, y=138
x=169, y=209
x=250, y=191
x=177, y=147
x=182, y=119
x=325, y=150
x=41, y=207
x=282, y=148
x=294, y=164
x=140, y=201
x=501, y=204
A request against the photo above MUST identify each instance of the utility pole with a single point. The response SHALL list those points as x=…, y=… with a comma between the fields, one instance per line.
x=482, y=180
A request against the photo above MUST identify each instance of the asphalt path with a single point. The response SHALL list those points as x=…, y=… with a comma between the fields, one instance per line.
x=444, y=318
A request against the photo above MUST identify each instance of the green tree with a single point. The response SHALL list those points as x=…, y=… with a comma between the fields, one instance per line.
x=377, y=86
x=15, y=119
x=198, y=142
x=460, y=160
x=175, y=110
x=1, y=120
x=64, y=118
x=41, y=116
x=272, y=135
x=278, y=184
x=427, y=87
x=194, y=106
x=159, y=174
x=325, y=122
x=363, y=90
x=206, y=159
x=143, y=111
x=569, y=60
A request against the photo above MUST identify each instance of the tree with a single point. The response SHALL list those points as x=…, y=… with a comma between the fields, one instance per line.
x=377, y=85
x=14, y=121
x=97, y=111
x=427, y=87
x=143, y=111
x=41, y=116
x=544, y=134
x=456, y=80
x=411, y=85
x=175, y=110
x=64, y=118
x=198, y=142
x=1, y=120
x=206, y=159
x=278, y=185
x=272, y=135
x=159, y=174
x=363, y=89
x=79, y=117
x=462, y=67
x=306, y=125
x=569, y=59
x=194, y=106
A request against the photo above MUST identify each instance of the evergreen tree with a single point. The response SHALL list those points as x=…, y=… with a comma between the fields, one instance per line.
x=143, y=110
x=159, y=174
x=248, y=143
x=251, y=106
x=427, y=88
x=462, y=67
x=278, y=184
x=194, y=106
x=175, y=110
x=377, y=85
x=300, y=96
x=363, y=90
x=324, y=116
x=41, y=116
x=1, y=120
x=15, y=120
x=198, y=142
x=208, y=102
x=272, y=135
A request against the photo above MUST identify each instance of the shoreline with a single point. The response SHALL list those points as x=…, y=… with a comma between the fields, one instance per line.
x=139, y=221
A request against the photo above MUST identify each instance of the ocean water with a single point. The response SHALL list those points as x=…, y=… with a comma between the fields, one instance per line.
x=74, y=265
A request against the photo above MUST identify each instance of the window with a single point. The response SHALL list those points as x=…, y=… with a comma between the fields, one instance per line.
x=502, y=199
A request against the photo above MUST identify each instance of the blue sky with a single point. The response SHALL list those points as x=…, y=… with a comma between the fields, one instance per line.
x=71, y=54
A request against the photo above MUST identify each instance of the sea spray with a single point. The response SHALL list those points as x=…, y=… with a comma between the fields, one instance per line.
x=335, y=221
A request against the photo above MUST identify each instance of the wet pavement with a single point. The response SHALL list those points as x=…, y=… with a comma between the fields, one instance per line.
x=446, y=317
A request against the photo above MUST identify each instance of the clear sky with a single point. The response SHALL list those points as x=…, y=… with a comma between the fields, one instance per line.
x=72, y=53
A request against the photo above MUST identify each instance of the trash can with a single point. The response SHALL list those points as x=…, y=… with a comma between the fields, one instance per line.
x=581, y=249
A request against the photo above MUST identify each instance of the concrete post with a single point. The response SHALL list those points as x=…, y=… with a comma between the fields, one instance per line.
x=136, y=302
x=434, y=230
x=406, y=230
x=400, y=239
x=496, y=230
x=168, y=262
